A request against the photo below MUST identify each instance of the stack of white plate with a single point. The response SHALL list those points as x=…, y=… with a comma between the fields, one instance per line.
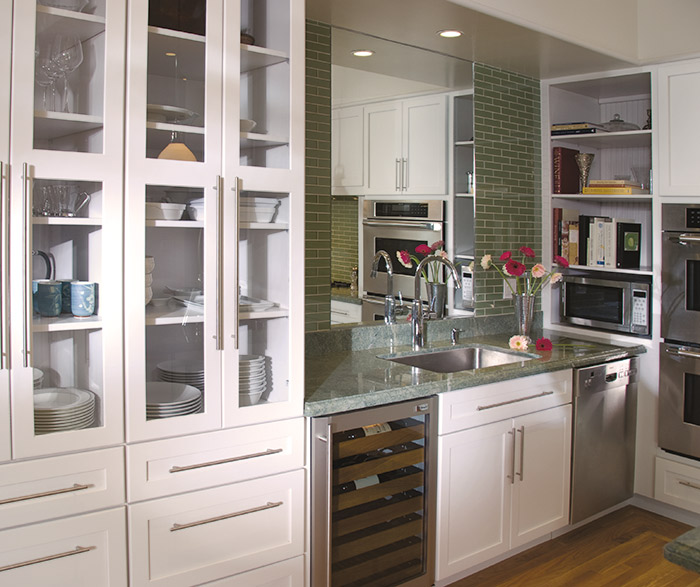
x=167, y=400
x=258, y=209
x=252, y=379
x=195, y=209
x=187, y=371
x=38, y=377
x=150, y=265
x=63, y=408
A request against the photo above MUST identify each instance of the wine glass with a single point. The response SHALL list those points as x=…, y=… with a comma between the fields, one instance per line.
x=67, y=54
x=46, y=73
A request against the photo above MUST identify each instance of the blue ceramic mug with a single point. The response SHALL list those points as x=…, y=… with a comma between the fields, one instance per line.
x=65, y=295
x=47, y=297
x=82, y=298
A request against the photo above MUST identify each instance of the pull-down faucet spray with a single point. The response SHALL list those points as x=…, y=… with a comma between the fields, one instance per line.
x=389, y=303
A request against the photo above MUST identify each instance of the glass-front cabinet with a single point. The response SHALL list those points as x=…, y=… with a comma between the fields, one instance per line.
x=212, y=209
x=66, y=225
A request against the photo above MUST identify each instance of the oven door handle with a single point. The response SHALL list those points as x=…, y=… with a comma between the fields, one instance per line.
x=681, y=352
x=398, y=224
x=689, y=238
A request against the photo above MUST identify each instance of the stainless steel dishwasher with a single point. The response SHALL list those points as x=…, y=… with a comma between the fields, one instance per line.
x=605, y=416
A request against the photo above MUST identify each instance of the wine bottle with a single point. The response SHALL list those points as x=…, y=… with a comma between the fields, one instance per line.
x=375, y=454
x=374, y=479
x=373, y=429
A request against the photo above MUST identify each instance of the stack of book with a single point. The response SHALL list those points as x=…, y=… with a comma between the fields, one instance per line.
x=596, y=241
x=576, y=128
x=612, y=187
x=565, y=173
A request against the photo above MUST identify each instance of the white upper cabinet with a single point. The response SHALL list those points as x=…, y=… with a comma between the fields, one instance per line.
x=66, y=214
x=347, y=148
x=405, y=147
x=678, y=128
x=214, y=197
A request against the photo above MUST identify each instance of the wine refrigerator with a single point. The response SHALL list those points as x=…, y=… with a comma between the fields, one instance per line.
x=373, y=496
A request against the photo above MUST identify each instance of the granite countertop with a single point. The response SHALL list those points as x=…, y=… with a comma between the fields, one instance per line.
x=345, y=294
x=685, y=550
x=344, y=380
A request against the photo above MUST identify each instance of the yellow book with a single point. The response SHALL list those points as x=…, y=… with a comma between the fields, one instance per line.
x=610, y=191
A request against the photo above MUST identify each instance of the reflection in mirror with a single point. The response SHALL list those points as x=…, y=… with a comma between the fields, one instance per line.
x=394, y=71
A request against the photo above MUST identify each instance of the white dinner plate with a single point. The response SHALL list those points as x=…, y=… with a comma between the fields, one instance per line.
x=59, y=399
x=184, y=366
x=166, y=393
x=165, y=113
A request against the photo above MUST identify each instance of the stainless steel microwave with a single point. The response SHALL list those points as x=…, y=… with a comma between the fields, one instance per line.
x=608, y=304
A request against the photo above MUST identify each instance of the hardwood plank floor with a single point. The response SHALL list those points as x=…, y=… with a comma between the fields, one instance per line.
x=624, y=548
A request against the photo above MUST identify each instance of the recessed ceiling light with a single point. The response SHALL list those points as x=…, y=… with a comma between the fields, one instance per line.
x=363, y=53
x=171, y=54
x=450, y=33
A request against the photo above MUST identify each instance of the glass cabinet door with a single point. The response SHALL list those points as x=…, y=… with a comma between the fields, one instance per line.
x=174, y=268
x=66, y=214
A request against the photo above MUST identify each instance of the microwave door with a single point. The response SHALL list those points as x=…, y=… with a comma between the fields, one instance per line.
x=679, y=399
x=595, y=303
x=680, y=295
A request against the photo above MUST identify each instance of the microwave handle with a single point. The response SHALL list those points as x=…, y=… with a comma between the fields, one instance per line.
x=400, y=224
x=689, y=238
x=681, y=352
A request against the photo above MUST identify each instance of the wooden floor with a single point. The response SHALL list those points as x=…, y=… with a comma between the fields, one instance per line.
x=622, y=548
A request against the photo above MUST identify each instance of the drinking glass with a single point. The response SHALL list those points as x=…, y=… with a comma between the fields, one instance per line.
x=46, y=73
x=67, y=54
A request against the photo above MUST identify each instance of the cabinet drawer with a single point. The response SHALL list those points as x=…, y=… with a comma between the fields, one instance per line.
x=475, y=406
x=206, y=535
x=177, y=465
x=677, y=484
x=82, y=551
x=283, y=574
x=41, y=489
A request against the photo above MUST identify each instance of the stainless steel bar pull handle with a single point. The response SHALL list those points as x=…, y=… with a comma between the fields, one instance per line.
x=397, y=173
x=237, y=283
x=74, y=487
x=403, y=224
x=514, y=401
x=219, y=263
x=180, y=469
x=268, y=506
x=686, y=238
x=522, y=452
x=27, y=266
x=681, y=352
x=4, y=262
x=512, y=452
x=689, y=484
x=404, y=174
x=51, y=557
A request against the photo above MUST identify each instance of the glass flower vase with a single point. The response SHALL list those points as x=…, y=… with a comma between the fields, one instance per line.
x=437, y=298
x=524, y=305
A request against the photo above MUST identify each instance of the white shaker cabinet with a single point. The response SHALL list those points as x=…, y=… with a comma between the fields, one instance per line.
x=347, y=150
x=66, y=150
x=503, y=483
x=405, y=147
x=678, y=126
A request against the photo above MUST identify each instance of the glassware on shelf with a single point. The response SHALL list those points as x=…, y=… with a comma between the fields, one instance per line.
x=46, y=73
x=67, y=54
x=73, y=5
x=584, y=162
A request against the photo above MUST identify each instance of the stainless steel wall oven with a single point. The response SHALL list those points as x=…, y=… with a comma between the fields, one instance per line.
x=679, y=363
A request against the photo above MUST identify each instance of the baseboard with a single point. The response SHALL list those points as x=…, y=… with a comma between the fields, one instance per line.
x=666, y=510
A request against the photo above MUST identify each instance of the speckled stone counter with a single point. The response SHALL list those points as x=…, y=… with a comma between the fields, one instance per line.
x=685, y=550
x=345, y=371
x=343, y=294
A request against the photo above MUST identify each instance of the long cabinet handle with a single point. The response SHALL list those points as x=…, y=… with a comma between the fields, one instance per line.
x=237, y=283
x=268, y=506
x=689, y=484
x=51, y=557
x=180, y=469
x=522, y=452
x=514, y=401
x=27, y=264
x=404, y=174
x=512, y=462
x=5, y=277
x=74, y=487
x=397, y=174
x=219, y=263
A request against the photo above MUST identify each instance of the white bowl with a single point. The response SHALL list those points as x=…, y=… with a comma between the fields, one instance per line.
x=249, y=399
x=149, y=280
x=247, y=125
x=149, y=295
x=159, y=301
x=257, y=214
x=164, y=211
x=150, y=264
x=195, y=212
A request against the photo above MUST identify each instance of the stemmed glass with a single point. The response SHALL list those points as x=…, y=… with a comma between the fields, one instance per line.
x=67, y=54
x=46, y=73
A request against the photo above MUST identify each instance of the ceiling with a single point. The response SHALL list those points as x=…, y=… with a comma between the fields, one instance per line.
x=486, y=39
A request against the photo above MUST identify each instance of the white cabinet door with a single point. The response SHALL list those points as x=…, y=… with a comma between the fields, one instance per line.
x=81, y=551
x=63, y=152
x=425, y=146
x=289, y=573
x=473, y=512
x=383, y=152
x=5, y=67
x=347, y=148
x=540, y=501
x=678, y=124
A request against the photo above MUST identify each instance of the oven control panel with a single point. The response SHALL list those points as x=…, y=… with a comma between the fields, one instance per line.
x=640, y=310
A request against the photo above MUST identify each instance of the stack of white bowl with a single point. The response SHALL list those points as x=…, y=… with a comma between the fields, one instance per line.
x=258, y=209
x=150, y=265
x=164, y=211
x=252, y=379
x=38, y=377
x=165, y=399
x=195, y=209
x=187, y=371
x=57, y=409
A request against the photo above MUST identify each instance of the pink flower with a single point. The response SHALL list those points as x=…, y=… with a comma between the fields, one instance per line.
x=543, y=344
x=437, y=245
x=424, y=249
x=561, y=261
x=404, y=258
x=514, y=268
x=555, y=278
x=527, y=251
x=518, y=342
x=538, y=271
x=442, y=254
x=504, y=256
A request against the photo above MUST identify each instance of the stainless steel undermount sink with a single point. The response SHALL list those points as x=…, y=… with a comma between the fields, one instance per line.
x=456, y=359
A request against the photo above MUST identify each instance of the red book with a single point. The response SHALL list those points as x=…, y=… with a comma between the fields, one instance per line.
x=565, y=173
x=556, y=231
